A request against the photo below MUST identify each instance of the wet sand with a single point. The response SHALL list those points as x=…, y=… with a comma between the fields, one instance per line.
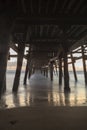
x=44, y=118
x=40, y=91
x=40, y=116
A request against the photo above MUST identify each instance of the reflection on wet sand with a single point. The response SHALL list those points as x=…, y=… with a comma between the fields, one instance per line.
x=39, y=88
x=67, y=98
x=41, y=91
x=3, y=102
x=16, y=101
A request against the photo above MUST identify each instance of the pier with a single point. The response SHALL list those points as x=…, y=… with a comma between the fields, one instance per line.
x=49, y=35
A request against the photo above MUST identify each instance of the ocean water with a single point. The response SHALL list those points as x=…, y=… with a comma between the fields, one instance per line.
x=40, y=91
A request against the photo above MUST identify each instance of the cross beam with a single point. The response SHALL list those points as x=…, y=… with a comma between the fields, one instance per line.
x=75, y=20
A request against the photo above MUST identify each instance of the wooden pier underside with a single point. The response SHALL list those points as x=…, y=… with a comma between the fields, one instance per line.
x=52, y=29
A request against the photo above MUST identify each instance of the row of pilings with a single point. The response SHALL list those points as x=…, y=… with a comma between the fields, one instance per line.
x=63, y=65
x=4, y=51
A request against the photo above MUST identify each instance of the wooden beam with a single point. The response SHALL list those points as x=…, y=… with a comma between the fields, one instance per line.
x=70, y=29
x=43, y=41
x=74, y=30
x=76, y=20
x=31, y=6
x=15, y=48
x=64, y=4
x=79, y=43
x=39, y=9
x=55, y=6
x=23, y=6
x=73, y=66
x=14, y=56
x=81, y=31
x=84, y=65
x=28, y=35
x=76, y=8
x=71, y=3
x=47, y=6
x=84, y=9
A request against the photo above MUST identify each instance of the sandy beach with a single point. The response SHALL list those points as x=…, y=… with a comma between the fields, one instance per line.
x=38, y=107
x=44, y=118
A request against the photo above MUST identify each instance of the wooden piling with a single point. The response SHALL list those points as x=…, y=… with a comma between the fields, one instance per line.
x=4, y=86
x=33, y=69
x=60, y=71
x=21, y=48
x=84, y=65
x=56, y=69
x=51, y=71
x=73, y=66
x=30, y=70
x=4, y=49
x=46, y=72
x=66, y=73
x=26, y=72
x=5, y=30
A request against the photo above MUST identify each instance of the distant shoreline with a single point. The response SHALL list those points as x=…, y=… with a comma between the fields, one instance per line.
x=13, y=70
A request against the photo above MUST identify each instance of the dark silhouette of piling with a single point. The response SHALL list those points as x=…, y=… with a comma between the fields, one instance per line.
x=26, y=72
x=4, y=49
x=73, y=66
x=19, y=66
x=51, y=70
x=84, y=65
x=60, y=71
x=30, y=70
x=66, y=73
x=44, y=70
x=47, y=72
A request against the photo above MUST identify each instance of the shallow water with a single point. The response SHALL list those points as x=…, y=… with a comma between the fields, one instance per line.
x=40, y=91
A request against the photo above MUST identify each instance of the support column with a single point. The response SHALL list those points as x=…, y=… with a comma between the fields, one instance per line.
x=5, y=30
x=51, y=71
x=33, y=69
x=84, y=65
x=73, y=66
x=66, y=73
x=46, y=72
x=56, y=69
x=26, y=72
x=4, y=49
x=21, y=48
x=4, y=86
x=60, y=71
x=30, y=70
